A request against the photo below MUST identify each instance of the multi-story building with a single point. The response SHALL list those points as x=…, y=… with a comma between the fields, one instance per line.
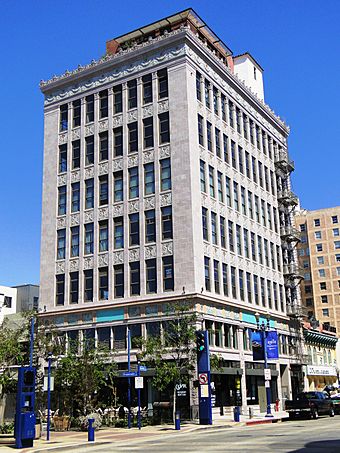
x=18, y=299
x=319, y=262
x=8, y=302
x=167, y=178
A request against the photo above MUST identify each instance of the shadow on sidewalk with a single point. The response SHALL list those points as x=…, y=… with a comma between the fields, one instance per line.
x=320, y=446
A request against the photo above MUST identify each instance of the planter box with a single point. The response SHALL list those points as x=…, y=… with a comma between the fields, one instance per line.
x=62, y=423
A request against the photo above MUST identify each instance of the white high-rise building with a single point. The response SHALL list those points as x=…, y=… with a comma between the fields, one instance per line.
x=166, y=178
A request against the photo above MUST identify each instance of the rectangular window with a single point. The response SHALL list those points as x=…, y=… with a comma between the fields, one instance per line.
x=223, y=107
x=231, y=114
x=62, y=200
x=233, y=282
x=89, y=104
x=61, y=244
x=76, y=113
x=103, y=236
x=103, y=190
x=223, y=232
x=251, y=130
x=164, y=128
x=337, y=244
x=243, y=201
x=269, y=294
x=236, y=202
x=211, y=182
x=245, y=126
x=103, y=283
x=166, y=222
x=162, y=84
x=200, y=130
x=225, y=149
x=240, y=160
x=231, y=236
x=266, y=255
x=260, y=173
x=218, y=142
x=151, y=276
x=317, y=234
x=149, y=178
x=263, y=291
x=241, y=283
x=253, y=246
x=118, y=186
x=135, y=279
x=259, y=249
x=88, y=240
x=150, y=226
x=263, y=211
x=250, y=205
x=337, y=257
x=335, y=232
x=103, y=146
x=88, y=285
x=256, y=289
x=147, y=88
x=249, y=291
x=63, y=124
x=74, y=241
x=238, y=240
x=60, y=289
x=216, y=277
x=253, y=160
x=134, y=229
x=276, y=302
x=209, y=136
x=117, y=99
x=118, y=141
x=103, y=104
x=227, y=191
x=62, y=158
x=198, y=86
x=316, y=222
x=320, y=260
x=266, y=178
x=89, y=193
x=322, y=273
x=225, y=279
x=334, y=219
x=220, y=187
x=132, y=94
x=205, y=224
x=245, y=242
x=325, y=312
x=257, y=208
x=213, y=228
x=319, y=247
x=89, y=150
x=118, y=233
x=75, y=193
x=119, y=280
x=165, y=174
x=168, y=273
x=74, y=287
x=133, y=137
x=133, y=183
x=238, y=120
x=75, y=154
x=215, y=100
x=202, y=176
x=272, y=255
x=233, y=154
x=148, y=132
x=207, y=93
x=207, y=273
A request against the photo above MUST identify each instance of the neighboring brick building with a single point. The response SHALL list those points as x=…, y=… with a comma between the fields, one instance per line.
x=319, y=262
x=167, y=178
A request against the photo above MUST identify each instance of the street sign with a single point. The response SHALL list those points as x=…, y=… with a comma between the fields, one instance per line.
x=143, y=368
x=267, y=384
x=267, y=374
x=129, y=373
x=205, y=391
x=46, y=383
x=203, y=378
x=139, y=382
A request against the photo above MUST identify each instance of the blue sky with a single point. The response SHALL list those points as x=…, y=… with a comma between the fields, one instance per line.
x=297, y=42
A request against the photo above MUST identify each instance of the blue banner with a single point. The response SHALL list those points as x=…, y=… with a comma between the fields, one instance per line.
x=272, y=345
x=257, y=343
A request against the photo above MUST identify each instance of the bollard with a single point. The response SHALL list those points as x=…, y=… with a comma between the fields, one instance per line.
x=90, y=430
x=178, y=421
x=236, y=414
x=251, y=412
x=221, y=410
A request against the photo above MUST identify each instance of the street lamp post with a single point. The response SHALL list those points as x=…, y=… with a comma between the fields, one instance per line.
x=138, y=357
x=263, y=328
x=49, y=395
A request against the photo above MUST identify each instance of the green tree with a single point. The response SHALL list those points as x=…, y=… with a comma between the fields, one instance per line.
x=173, y=354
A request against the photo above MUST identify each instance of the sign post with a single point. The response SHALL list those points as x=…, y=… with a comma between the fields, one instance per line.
x=203, y=368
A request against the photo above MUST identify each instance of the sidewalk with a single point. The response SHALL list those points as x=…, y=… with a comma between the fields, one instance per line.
x=63, y=441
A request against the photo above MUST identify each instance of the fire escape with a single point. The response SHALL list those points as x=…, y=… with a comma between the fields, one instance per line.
x=290, y=236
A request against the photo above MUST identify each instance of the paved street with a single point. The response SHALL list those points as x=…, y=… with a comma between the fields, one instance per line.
x=303, y=436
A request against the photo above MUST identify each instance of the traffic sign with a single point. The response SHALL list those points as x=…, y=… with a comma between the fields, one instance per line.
x=267, y=384
x=267, y=374
x=203, y=378
x=129, y=374
x=139, y=382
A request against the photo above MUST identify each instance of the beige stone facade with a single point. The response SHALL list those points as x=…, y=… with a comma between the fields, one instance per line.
x=319, y=261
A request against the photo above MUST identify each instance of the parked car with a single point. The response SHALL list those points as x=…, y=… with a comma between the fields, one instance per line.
x=336, y=402
x=312, y=404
